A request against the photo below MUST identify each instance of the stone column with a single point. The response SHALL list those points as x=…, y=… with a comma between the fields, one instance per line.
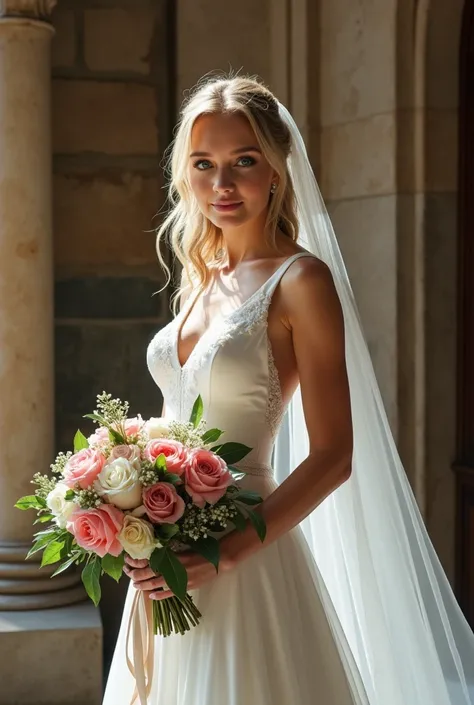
x=71, y=634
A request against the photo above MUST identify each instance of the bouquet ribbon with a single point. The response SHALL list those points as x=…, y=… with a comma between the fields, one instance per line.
x=140, y=635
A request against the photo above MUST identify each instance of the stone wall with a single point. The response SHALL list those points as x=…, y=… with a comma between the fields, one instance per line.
x=358, y=175
x=112, y=116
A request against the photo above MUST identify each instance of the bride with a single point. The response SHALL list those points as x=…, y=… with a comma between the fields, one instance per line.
x=345, y=602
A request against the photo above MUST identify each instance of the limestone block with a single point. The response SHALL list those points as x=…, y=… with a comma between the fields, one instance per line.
x=63, y=48
x=119, y=39
x=358, y=158
x=96, y=116
x=106, y=218
x=357, y=59
x=366, y=231
x=51, y=657
x=211, y=38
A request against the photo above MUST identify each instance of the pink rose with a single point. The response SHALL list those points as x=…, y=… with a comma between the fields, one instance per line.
x=129, y=452
x=83, y=467
x=206, y=477
x=96, y=529
x=174, y=451
x=100, y=437
x=162, y=503
x=134, y=426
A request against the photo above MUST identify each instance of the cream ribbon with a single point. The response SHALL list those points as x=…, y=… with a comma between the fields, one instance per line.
x=140, y=630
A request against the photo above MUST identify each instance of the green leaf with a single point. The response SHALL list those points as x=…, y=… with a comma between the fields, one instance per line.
x=80, y=441
x=212, y=435
x=68, y=542
x=248, y=497
x=44, y=518
x=50, y=531
x=258, y=523
x=174, y=573
x=209, y=549
x=69, y=496
x=64, y=566
x=95, y=417
x=40, y=543
x=116, y=437
x=239, y=521
x=31, y=502
x=160, y=462
x=156, y=558
x=231, y=452
x=167, y=531
x=196, y=413
x=52, y=553
x=113, y=565
x=91, y=579
x=173, y=478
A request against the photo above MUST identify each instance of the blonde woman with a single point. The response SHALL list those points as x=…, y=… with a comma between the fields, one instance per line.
x=357, y=611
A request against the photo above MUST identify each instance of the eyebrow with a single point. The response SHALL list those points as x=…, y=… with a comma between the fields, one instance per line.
x=240, y=150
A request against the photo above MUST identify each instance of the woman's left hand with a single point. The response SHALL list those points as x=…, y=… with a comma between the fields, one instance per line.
x=199, y=570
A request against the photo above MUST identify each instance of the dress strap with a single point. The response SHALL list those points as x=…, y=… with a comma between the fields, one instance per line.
x=274, y=280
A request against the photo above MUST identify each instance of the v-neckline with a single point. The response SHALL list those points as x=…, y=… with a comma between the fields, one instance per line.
x=187, y=310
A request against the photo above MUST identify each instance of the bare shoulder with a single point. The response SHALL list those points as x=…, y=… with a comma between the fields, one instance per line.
x=309, y=280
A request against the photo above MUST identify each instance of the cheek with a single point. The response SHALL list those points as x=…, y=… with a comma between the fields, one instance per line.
x=254, y=184
x=200, y=185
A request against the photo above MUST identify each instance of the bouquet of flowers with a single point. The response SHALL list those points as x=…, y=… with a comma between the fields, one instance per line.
x=149, y=489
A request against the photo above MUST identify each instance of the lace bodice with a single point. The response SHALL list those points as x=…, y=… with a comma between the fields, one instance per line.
x=232, y=368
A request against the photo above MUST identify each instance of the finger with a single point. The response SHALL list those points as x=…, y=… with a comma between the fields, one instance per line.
x=153, y=584
x=160, y=595
x=136, y=563
x=139, y=574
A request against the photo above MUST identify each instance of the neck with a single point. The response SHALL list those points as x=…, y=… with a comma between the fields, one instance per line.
x=246, y=242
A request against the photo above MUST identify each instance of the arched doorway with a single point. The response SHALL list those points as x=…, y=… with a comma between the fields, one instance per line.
x=465, y=418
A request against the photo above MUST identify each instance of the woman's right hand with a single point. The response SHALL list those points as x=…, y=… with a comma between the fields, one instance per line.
x=132, y=563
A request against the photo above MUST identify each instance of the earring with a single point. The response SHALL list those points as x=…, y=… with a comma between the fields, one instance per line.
x=273, y=187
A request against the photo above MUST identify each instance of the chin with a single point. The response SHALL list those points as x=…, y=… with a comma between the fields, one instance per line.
x=221, y=220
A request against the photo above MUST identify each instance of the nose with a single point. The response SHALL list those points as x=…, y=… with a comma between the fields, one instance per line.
x=223, y=182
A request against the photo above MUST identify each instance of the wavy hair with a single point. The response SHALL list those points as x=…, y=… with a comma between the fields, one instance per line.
x=194, y=239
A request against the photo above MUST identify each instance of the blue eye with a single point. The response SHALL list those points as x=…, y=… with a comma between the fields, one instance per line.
x=202, y=164
x=246, y=161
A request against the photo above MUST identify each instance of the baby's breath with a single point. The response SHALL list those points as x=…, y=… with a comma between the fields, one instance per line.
x=45, y=484
x=148, y=474
x=60, y=463
x=184, y=432
x=112, y=410
x=197, y=522
x=88, y=499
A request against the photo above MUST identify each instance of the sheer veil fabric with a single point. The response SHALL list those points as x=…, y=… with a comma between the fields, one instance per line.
x=382, y=578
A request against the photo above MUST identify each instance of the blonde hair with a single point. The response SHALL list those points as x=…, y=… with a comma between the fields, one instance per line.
x=194, y=239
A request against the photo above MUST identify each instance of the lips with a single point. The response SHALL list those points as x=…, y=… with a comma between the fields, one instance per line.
x=226, y=206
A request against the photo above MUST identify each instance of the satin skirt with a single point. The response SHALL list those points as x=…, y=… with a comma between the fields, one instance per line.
x=264, y=638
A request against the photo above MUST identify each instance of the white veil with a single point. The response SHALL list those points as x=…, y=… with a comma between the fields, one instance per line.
x=410, y=640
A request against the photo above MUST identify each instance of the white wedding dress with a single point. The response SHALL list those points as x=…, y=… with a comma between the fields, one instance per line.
x=264, y=638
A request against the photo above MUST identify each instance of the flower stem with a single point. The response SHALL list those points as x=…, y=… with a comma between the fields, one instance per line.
x=174, y=615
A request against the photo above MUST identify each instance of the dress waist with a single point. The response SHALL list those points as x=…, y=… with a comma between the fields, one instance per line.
x=253, y=467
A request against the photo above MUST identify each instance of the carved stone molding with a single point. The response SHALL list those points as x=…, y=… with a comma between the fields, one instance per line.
x=33, y=9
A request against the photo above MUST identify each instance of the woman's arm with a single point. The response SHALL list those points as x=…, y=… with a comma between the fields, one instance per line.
x=318, y=338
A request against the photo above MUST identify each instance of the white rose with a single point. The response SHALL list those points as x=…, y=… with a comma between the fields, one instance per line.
x=157, y=428
x=118, y=482
x=59, y=506
x=137, y=537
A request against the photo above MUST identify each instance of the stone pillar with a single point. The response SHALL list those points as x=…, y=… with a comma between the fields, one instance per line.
x=27, y=383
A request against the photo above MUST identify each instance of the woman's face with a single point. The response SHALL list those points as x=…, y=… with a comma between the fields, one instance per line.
x=230, y=177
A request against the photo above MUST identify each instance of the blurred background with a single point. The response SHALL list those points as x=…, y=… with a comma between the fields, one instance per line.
x=383, y=92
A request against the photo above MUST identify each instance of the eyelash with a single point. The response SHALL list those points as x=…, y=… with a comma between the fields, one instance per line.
x=206, y=161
